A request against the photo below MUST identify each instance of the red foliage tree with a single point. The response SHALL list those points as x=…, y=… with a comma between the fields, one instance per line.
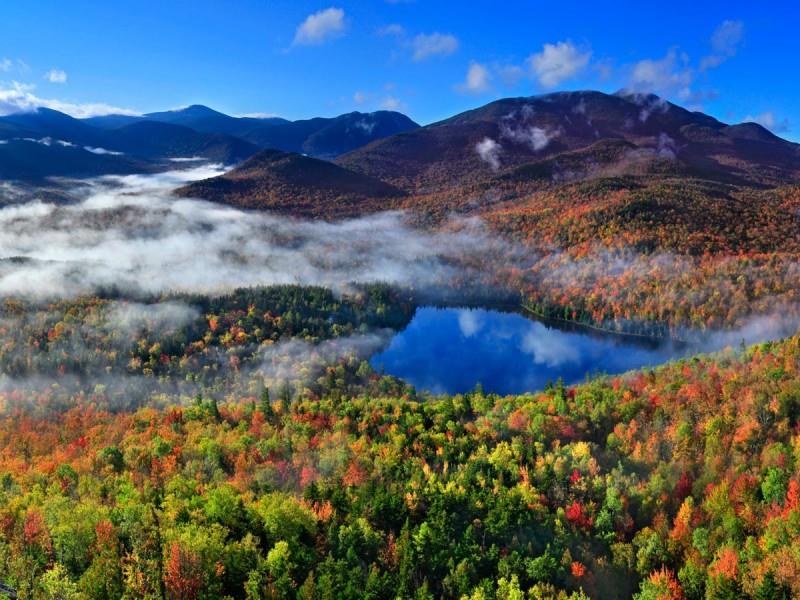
x=183, y=575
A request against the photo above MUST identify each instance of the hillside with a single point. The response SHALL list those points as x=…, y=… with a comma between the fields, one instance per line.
x=292, y=183
x=45, y=122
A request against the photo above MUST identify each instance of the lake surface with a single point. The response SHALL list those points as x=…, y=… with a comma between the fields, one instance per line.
x=450, y=350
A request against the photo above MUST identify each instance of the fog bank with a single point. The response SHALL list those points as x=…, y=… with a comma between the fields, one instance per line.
x=130, y=234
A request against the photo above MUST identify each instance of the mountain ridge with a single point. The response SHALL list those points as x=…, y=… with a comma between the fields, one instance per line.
x=69, y=147
x=322, y=137
x=511, y=148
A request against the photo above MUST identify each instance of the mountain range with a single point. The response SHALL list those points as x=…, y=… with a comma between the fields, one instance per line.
x=47, y=143
x=512, y=161
x=506, y=151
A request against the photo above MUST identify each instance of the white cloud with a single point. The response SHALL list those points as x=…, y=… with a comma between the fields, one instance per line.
x=557, y=63
x=8, y=65
x=547, y=349
x=489, y=152
x=56, y=76
x=535, y=137
x=20, y=98
x=470, y=322
x=359, y=97
x=478, y=79
x=367, y=125
x=724, y=43
x=770, y=121
x=428, y=45
x=320, y=27
x=392, y=103
x=392, y=30
x=668, y=75
x=517, y=128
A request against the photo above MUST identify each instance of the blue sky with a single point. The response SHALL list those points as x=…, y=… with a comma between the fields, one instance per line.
x=428, y=59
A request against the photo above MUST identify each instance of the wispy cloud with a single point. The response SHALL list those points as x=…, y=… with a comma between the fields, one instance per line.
x=489, y=152
x=724, y=43
x=393, y=29
x=478, y=79
x=674, y=74
x=557, y=63
x=668, y=75
x=429, y=45
x=320, y=27
x=20, y=98
x=259, y=115
x=392, y=103
x=56, y=76
x=17, y=65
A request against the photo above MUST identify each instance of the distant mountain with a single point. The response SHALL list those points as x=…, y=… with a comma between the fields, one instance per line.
x=319, y=137
x=112, y=121
x=45, y=122
x=497, y=156
x=206, y=119
x=34, y=160
x=568, y=136
x=153, y=140
x=45, y=143
x=353, y=130
x=293, y=183
x=329, y=138
x=195, y=131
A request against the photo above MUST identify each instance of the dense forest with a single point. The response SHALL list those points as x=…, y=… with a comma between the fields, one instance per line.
x=678, y=482
x=339, y=482
x=122, y=353
x=656, y=258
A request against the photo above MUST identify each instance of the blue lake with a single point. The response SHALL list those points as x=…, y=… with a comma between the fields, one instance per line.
x=450, y=350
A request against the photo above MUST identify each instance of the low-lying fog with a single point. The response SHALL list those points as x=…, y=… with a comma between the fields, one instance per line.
x=130, y=233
